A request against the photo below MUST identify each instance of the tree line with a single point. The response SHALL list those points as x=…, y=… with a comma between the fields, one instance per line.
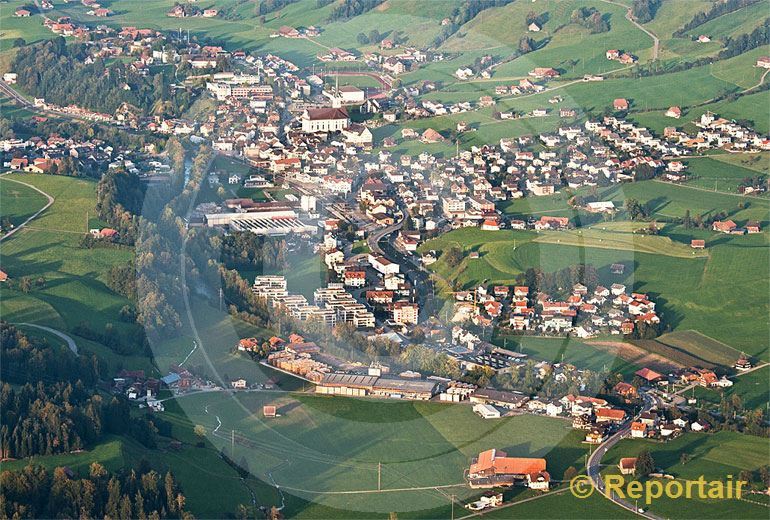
x=745, y=42
x=645, y=10
x=591, y=19
x=350, y=8
x=34, y=492
x=268, y=6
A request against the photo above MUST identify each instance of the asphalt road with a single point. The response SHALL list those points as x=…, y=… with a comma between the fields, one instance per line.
x=593, y=465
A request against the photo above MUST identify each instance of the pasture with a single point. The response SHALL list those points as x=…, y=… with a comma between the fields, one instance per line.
x=75, y=288
x=322, y=446
x=723, y=172
x=573, y=351
x=701, y=346
x=671, y=201
x=19, y=202
x=714, y=456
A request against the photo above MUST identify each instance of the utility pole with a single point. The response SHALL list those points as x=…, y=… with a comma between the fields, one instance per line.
x=379, y=476
x=232, y=444
x=452, y=498
x=221, y=295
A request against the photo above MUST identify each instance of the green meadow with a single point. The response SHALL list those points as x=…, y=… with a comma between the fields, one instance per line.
x=19, y=201
x=714, y=456
x=75, y=289
x=321, y=446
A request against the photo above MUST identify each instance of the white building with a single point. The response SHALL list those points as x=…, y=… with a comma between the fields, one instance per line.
x=324, y=120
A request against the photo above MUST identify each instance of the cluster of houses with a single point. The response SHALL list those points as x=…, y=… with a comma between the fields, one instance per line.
x=583, y=313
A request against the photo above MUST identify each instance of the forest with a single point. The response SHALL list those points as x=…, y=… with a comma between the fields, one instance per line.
x=34, y=492
x=50, y=411
x=65, y=74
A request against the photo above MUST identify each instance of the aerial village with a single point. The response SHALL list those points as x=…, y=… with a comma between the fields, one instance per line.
x=311, y=136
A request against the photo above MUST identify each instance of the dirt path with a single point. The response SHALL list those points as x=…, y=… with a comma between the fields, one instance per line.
x=38, y=212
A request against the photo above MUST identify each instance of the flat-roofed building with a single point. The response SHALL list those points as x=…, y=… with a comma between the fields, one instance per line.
x=346, y=384
x=399, y=388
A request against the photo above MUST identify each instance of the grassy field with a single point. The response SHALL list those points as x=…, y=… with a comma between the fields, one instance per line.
x=19, y=201
x=569, y=350
x=724, y=172
x=563, y=505
x=733, y=24
x=75, y=289
x=322, y=445
x=714, y=456
x=596, y=237
x=701, y=346
x=31, y=28
x=567, y=46
x=666, y=200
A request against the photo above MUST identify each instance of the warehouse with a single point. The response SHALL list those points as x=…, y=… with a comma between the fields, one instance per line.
x=405, y=388
x=497, y=398
x=355, y=385
x=346, y=384
x=272, y=223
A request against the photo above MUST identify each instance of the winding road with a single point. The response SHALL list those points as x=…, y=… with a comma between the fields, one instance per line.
x=593, y=464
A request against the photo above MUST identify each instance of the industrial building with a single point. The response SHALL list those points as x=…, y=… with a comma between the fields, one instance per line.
x=355, y=385
x=271, y=223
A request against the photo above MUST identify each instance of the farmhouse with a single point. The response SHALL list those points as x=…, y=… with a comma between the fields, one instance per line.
x=674, y=112
x=697, y=243
x=431, y=136
x=649, y=375
x=763, y=62
x=620, y=104
x=544, y=72
x=726, y=226
x=493, y=468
